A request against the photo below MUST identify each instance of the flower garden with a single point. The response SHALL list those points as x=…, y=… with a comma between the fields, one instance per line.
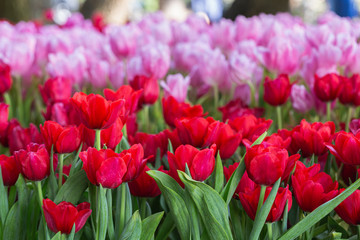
x=157, y=129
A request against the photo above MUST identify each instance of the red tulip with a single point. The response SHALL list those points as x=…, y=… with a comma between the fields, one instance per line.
x=98, y=22
x=63, y=113
x=311, y=188
x=110, y=137
x=63, y=216
x=236, y=108
x=4, y=115
x=198, y=132
x=4, y=135
x=135, y=163
x=104, y=167
x=9, y=170
x=328, y=87
x=277, y=91
x=311, y=139
x=172, y=110
x=201, y=163
x=250, y=127
x=227, y=141
x=96, y=112
x=144, y=185
x=151, y=144
x=249, y=194
x=150, y=87
x=56, y=89
x=130, y=96
x=346, y=148
x=64, y=139
x=20, y=137
x=5, y=77
x=350, y=93
x=349, y=209
x=34, y=162
x=266, y=164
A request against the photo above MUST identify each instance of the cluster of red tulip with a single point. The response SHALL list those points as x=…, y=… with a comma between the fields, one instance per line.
x=89, y=151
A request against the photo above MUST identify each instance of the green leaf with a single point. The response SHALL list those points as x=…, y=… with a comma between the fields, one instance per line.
x=111, y=230
x=230, y=187
x=76, y=165
x=219, y=174
x=72, y=233
x=333, y=225
x=4, y=204
x=52, y=186
x=57, y=236
x=12, y=223
x=149, y=225
x=260, y=218
x=165, y=228
x=132, y=230
x=174, y=196
x=319, y=213
x=212, y=208
x=73, y=188
x=103, y=214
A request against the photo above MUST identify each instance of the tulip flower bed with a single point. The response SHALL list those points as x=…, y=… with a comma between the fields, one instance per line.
x=166, y=130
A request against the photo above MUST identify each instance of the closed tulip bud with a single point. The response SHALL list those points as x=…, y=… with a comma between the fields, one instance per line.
x=94, y=111
x=62, y=217
x=9, y=170
x=266, y=164
x=328, y=87
x=201, y=163
x=5, y=77
x=228, y=141
x=277, y=91
x=311, y=187
x=56, y=89
x=350, y=92
x=20, y=137
x=64, y=139
x=104, y=167
x=346, y=148
x=34, y=162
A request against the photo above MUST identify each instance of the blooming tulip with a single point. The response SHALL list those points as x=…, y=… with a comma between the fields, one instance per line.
x=311, y=188
x=176, y=86
x=135, y=163
x=56, y=89
x=63, y=216
x=346, y=148
x=349, y=209
x=144, y=185
x=96, y=112
x=227, y=141
x=9, y=170
x=277, y=91
x=150, y=88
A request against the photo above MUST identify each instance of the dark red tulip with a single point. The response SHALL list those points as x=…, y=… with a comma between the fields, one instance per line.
x=172, y=110
x=4, y=135
x=62, y=217
x=9, y=170
x=150, y=87
x=249, y=194
x=5, y=77
x=151, y=143
x=94, y=111
x=277, y=91
x=346, y=148
x=250, y=127
x=328, y=87
x=311, y=187
x=266, y=164
x=129, y=95
x=198, y=132
x=135, y=163
x=64, y=139
x=63, y=113
x=201, y=163
x=349, y=209
x=20, y=137
x=56, y=89
x=110, y=137
x=4, y=115
x=236, y=108
x=34, y=162
x=144, y=185
x=227, y=141
x=311, y=139
x=354, y=126
x=104, y=167
x=350, y=92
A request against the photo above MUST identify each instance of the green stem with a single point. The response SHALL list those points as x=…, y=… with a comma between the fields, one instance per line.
x=93, y=205
x=328, y=111
x=253, y=92
x=8, y=102
x=216, y=96
x=39, y=192
x=261, y=198
x=348, y=119
x=358, y=232
x=143, y=208
x=98, y=213
x=63, y=236
x=98, y=139
x=269, y=228
x=122, y=208
x=146, y=119
x=279, y=117
x=61, y=166
x=19, y=104
x=126, y=80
